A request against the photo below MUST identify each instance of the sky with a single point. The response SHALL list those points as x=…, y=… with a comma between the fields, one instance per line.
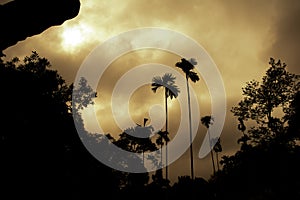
x=240, y=37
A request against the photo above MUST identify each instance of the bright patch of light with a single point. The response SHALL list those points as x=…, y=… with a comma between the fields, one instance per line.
x=74, y=37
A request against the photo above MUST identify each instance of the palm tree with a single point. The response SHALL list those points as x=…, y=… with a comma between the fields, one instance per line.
x=167, y=81
x=162, y=135
x=207, y=121
x=187, y=67
x=217, y=149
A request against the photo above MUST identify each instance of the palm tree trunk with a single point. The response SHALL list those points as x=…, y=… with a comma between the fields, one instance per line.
x=217, y=158
x=143, y=158
x=166, y=105
x=212, y=154
x=212, y=160
x=161, y=157
x=190, y=124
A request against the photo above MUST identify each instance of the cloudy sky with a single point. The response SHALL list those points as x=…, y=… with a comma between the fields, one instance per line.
x=240, y=37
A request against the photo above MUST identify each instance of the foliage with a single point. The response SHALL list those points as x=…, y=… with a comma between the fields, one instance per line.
x=167, y=81
x=39, y=146
x=263, y=100
x=267, y=165
x=187, y=68
x=40, y=149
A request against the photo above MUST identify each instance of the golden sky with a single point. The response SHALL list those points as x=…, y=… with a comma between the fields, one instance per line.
x=240, y=36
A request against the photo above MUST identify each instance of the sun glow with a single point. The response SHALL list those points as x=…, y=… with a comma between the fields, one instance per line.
x=74, y=37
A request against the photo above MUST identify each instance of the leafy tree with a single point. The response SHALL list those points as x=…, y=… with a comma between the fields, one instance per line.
x=32, y=97
x=135, y=139
x=187, y=67
x=267, y=165
x=261, y=100
x=142, y=141
x=39, y=146
x=294, y=118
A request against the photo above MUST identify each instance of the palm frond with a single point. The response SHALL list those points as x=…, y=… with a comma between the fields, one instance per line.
x=206, y=121
x=218, y=147
x=155, y=87
x=193, y=76
x=172, y=91
x=157, y=82
x=165, y=136
x=185, y=65
x=168, y=79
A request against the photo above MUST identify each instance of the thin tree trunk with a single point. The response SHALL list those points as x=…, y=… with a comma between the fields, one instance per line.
x=166, y=105
x=144, y=147
x=143, y=158
x=161, y=158
x=217, y=157
x=211, y=153
x=212, y=160
x=190, y=124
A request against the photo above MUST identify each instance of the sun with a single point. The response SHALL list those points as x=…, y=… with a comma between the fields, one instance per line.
x=74, y=37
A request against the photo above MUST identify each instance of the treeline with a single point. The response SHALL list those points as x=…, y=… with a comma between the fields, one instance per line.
x=42, y=155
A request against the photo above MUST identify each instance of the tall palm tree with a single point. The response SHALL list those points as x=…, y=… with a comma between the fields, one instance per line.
x=187, y=67
x=167, y=81
x=207, y=121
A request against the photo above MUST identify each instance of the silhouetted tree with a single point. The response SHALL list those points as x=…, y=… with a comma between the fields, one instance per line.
x=158, y=181
x=167, y=81
x=267, y=165
x=40, y=149
x=294, y=118
x=143, y=140
x=207, y=121
x=162, y=136
x=217, y=149
x=36, y=118
x=262, y=100
x=135, y=139
x=187, y=67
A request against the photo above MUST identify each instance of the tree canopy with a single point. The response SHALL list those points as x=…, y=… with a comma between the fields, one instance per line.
x=40, y=149
x=267, y=165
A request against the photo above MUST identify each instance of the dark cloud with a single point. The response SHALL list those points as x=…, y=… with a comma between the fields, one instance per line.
x=286, y=32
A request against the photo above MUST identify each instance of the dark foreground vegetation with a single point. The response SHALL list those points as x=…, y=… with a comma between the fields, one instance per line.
x=42, y=156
